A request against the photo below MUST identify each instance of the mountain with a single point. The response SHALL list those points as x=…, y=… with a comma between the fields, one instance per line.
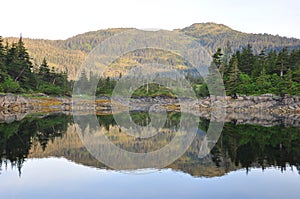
x=69, y=54
x=215, y=36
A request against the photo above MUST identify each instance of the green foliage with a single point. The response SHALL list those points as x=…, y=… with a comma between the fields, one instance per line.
x=233, y=80
x=16, y=138
x=17, y=74
x=10, y=86
x=152, y=90
x=49, y=89
x=265, y=61
x=250, y=74
x=253, y=144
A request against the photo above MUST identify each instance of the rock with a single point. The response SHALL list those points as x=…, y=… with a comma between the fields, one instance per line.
x=13, y=103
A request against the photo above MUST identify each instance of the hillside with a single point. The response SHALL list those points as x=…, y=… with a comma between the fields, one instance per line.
x=68, y=54
x=214, y=36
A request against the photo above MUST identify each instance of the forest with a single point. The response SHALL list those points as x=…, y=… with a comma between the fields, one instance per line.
x=244, y=72
x=19, y=75
x=274, y=72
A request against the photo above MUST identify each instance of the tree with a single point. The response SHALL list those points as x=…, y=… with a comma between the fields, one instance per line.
x=260, y=63
x=83, y=84
x=282, y=62
x=271, y=62
x=1, y=51
x=44, y=73
x=214, y=81
x=18, y=65
x=232, y=84
x=218, y=61
x=17, y=74
x=286, y=85
x=246, y=60
x=227, y=53
x=3, y=73
x=263, y=82
x=246, y=85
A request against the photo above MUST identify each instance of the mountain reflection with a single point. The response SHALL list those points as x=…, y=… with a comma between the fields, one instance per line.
x=239, y=146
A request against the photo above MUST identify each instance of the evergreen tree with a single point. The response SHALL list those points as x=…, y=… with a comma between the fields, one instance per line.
x=17, y=75
x=263, y=83
x=218, y=61
x=260, y=63
x=294, y=59
x=246, y=84
x=1, y=51
x=44, y=71
x=18, y=65
x=232, y=84
x=286, y=85
x=3, y=73
x=83, y=84
x=246, y=60
x=214, y=80
x=282, y=62
x=227, y=53
x=271, y=62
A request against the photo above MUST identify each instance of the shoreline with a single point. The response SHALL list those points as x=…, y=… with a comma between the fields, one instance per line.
x=266, y=110
x=243, y=104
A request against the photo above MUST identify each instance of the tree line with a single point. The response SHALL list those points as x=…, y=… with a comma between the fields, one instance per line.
x=17, y=138
x=243, y=72
x=19, y=75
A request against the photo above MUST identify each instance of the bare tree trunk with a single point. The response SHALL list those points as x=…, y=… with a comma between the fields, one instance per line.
x=19, y=75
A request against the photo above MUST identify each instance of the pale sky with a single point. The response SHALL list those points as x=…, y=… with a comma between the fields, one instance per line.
x=60, y=19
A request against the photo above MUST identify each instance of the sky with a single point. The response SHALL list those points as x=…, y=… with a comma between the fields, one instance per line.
x=61, y=19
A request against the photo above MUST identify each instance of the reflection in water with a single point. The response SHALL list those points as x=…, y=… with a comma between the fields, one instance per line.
x=60, y=178
x=18, y=137
x=240, y=146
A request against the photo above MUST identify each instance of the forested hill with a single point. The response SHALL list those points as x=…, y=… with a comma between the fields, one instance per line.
x=68, y=54
x=215, y=36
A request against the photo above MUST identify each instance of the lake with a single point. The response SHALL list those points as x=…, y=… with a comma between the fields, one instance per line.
x=47, y=156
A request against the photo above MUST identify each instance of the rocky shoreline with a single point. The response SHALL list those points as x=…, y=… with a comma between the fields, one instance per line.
x=264, y=110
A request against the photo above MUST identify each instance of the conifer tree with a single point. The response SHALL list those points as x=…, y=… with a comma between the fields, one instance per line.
x=232, y=84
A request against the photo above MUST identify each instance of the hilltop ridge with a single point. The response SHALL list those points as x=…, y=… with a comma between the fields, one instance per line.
x=67, y=55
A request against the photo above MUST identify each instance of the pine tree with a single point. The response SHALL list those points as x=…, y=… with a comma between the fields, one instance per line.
x=282, y=62
x=260, y=63
x=18, y=65
x=83, y=84
x=3, y=73
x=232, y=84
x=227, y=53
x=263, y=83
x=287, y=86
x=214, y=81
x=1, y=51
x=218, y=61
x=271, y=62
x=246, y=60
x=44, y=71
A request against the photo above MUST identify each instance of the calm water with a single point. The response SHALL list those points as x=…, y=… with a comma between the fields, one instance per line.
x=44, y=157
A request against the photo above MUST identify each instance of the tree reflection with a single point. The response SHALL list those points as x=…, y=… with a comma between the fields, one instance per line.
x=16, y=138
x=240, y=146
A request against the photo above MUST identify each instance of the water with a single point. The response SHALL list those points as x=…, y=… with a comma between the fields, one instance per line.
x=44, y=157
